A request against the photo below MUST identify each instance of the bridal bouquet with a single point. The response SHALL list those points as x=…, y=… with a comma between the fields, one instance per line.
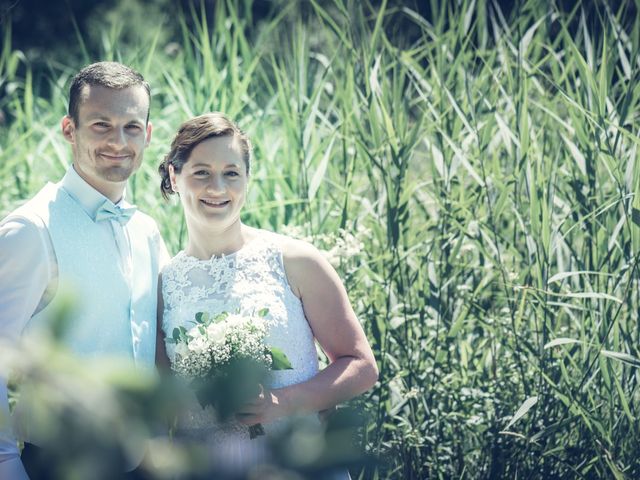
x=226, y=359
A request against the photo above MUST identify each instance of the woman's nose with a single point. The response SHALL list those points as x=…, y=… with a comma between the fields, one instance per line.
x=216, y=183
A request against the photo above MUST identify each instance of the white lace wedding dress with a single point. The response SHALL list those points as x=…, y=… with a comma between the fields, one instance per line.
x=248, y=280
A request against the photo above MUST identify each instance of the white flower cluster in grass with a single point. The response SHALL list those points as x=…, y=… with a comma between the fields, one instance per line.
x=296, y=231
x=346, y=245
x=336, y=247
x=208, y=348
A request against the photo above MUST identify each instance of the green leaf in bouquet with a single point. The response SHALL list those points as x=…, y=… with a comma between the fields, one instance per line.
x=279, y=360
x=202, y=317
x=263, y=312
x=220, y=317
x=178, y=333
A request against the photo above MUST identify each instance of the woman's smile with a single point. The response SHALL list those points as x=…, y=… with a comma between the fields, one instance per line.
x=215, y=203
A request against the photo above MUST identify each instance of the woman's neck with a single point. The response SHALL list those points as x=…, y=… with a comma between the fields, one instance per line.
x=204, y=243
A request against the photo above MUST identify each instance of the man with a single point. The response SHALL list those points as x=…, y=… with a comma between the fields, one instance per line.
x=81, y=233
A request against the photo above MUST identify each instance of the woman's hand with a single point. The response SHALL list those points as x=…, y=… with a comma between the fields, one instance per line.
x=265, y=408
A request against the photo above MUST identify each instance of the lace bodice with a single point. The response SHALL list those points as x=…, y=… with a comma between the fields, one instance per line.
x=245, y=282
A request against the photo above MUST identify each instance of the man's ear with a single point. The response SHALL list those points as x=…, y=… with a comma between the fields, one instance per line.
x=149, y=129
x=68, y=129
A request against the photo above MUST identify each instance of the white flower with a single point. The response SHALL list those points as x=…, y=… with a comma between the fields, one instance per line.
x=473, y=228
x=235, y=321
x=195, y=332
x=182, y=349
x=198, y=345
x=216, y=332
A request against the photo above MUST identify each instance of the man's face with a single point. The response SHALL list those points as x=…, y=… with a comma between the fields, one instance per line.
x=110, y=136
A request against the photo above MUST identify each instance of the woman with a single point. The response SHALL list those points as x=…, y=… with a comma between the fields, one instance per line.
x=229, y=266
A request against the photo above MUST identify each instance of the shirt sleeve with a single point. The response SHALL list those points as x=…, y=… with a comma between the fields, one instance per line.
x=10, y=464
x=163, y=254
x=25, y=272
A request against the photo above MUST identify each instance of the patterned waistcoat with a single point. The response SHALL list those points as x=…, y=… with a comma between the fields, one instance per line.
x=112, y=313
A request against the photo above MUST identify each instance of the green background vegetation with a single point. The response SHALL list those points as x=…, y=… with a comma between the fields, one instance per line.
x=472, y=171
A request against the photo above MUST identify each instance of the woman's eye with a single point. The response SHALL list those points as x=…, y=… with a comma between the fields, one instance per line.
x=232, y=174
x=201, y=173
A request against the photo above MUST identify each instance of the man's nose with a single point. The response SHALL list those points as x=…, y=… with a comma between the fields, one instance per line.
x=117, y=137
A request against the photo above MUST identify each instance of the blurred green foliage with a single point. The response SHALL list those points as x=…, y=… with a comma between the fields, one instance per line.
x=472, y=173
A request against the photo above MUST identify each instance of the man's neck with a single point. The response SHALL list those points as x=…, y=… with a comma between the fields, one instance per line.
x=112, y=190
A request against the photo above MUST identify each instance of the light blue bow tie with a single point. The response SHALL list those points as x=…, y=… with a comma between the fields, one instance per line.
x=109, y=211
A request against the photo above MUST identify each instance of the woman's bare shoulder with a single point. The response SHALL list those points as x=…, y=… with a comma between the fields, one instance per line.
x=302, y=261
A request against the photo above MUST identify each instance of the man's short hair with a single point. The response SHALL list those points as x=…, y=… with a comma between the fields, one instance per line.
x=104, y=74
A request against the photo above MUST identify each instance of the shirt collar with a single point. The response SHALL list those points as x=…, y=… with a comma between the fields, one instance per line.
x=87, y=197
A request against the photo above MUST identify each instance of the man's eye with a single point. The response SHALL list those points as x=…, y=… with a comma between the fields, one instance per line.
x=232, y=174
x=134, y=127
x=101, y=125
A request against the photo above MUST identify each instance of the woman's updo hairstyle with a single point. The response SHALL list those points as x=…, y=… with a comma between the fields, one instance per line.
x=191, y=133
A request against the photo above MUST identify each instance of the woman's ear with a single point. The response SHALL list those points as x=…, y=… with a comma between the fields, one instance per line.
x=172, y=178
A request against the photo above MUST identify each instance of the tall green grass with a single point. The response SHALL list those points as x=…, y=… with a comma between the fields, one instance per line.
x=476, y=175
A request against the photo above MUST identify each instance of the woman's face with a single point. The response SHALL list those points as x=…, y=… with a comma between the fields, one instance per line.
x=212, y=184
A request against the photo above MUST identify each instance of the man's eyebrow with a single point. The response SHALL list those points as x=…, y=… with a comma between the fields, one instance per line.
x=99, y=116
